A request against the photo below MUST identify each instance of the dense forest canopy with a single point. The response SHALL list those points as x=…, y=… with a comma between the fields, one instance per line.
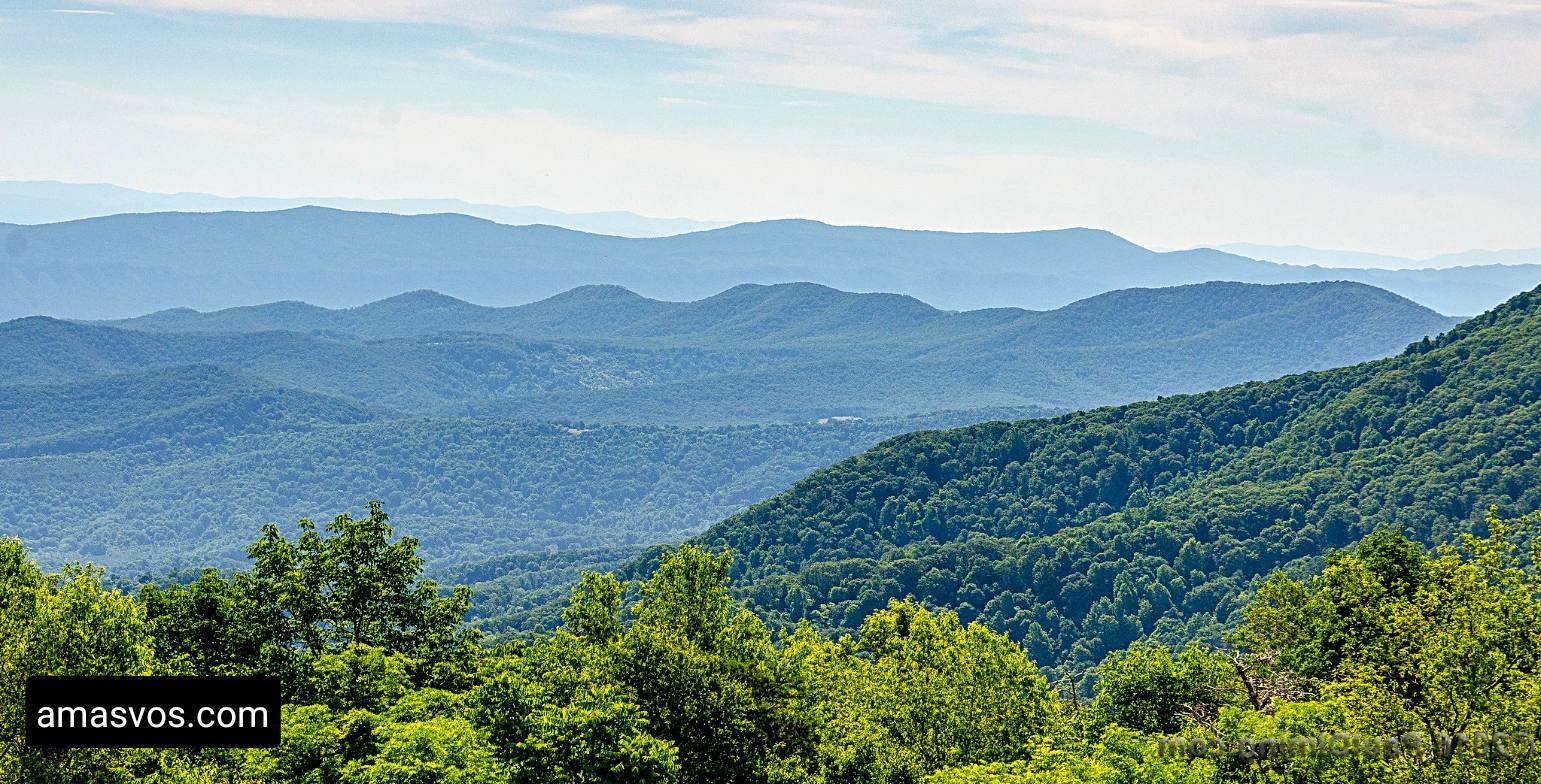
x=670, y=680
x=169, y=469
x=1081, y=534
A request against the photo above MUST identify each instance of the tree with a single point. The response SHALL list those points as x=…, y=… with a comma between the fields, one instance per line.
x=1148, y=689
x=1393, y=639
x=688, y=594
x=354, y=587
x=599, y=738
x=918, y=692
x=594, y=609
x=208, y=627
x=434, y=751
x=62, y=624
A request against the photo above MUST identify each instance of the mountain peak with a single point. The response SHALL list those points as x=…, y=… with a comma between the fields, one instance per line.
x=597, y=293
x=421, y=299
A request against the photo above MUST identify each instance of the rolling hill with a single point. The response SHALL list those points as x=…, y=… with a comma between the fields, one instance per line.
x=1082, y=533
x=811, y=316
x=784, y=353
x=123, y=265
x=183, y=405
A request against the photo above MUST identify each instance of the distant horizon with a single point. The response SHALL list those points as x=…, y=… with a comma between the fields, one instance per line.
x=1410, y=129
x=1285, y=253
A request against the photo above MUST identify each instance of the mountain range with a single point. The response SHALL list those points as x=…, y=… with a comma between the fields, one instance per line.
x=789, y=352
x=165, y=440
x=124, y=265
x=44, y=201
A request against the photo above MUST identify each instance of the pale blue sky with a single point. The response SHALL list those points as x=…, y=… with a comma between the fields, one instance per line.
x=1411, y=128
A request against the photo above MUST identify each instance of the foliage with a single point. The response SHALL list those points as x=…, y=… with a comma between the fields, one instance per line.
x=670, y=682
x=1081, y=534
x=61, y=624
x=1146, y=688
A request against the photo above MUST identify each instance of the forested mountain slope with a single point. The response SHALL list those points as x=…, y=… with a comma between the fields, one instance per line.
x=425, y=374
x=180, y=406
x=1081, y=533
x=123, y=265
x=169, y=467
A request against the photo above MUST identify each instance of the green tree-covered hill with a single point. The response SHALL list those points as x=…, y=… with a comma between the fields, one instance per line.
x=170, y=467
x=1082, y=533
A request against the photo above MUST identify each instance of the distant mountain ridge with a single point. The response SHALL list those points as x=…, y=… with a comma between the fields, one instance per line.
x=42, y=201
x=752, y=353
x=785, y=352
x=1300, y=254
x=125, y=265
x=787, y=315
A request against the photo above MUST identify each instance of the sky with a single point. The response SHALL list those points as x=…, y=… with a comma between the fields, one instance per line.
x=1410, y=127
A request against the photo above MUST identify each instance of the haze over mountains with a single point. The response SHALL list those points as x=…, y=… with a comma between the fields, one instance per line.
x=790, y=352
x=41, y=201
x=595, y=419
x=125, y=265
x=1300, y=254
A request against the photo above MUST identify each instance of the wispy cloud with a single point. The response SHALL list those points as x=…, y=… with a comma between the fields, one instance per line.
x=467, y=56
x=474, y=13
x=1451, y=74
x=1396, y=124
x=84, y=11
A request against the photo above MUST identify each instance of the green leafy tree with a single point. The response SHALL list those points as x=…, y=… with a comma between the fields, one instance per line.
x=208, y=627
x=1147, y=688
x=598, y=738
x=434, y=751
x=594, y=608
x=62, y=624
x=355, y=587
